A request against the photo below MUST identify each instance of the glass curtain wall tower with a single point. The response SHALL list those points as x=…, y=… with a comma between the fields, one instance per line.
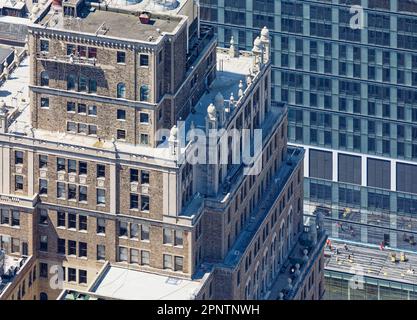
x=352, y=101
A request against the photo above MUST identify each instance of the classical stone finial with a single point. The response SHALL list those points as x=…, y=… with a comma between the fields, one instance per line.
x=233, y=51
x=290, y=286
x=212, y=112
x=257, y=46
x=305, y=257
x=6, y=69
x=248, y=80
x=173, y=140
x=265, y=34
x=219, y=100
x=240, y=93
x=231, y=100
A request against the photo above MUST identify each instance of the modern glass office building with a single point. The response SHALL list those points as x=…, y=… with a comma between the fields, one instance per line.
x=352, y=96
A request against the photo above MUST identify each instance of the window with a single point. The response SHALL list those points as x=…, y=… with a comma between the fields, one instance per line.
x=82, y=249
x=320, y=164
x=18, y=157
x=72, y=221
x=44, y=79
x=178, y=263
x=71, y=127
x=134, y=175
x=167, y=236
x=82, y=193
x=71, y=49
x=43, y=161
x=92, y=86
x=72, y=166
x=121, y=134
x=45, y=103
x=134, y=231
x=92, y=52
x=122, y=254
x=61, y=219
x=121, y=114
x=82, y=276
x=82, y=84
x=72, y=275
x=121, y=57
x=82, y=222
x=122, y=229
x=43, y=216
x=71, y=81
x=92, y=130
x=167, y=261
x=15, y=245
x=101, y=252
x=43, y=187
x=134, y=201
x=72, y=192
x=144, y=60
x=101, y=226
x=144, y=177
x=145, y=257
x=70, y=106
x=134, y=256
x=61, y=246
x=43, y=245
x=101, y=196
x=43, y=270
x=60, y=190
x=44, y=44
x=144, y=203
x=60, y=164
x=144, y=117
x=82, y=166
x=72, y=247
x=144, y=93
x=5, y=219
x=101, y=171
x=121, y=90
x=178, y=238
x=82, y=108
x=144, y=232
x=82, y=51
x=144, y=138
x=350, y=170
x=82, y=128
x=92, y=110
x=18, y=183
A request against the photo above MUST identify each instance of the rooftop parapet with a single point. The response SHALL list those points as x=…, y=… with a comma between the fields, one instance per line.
x=104, y=22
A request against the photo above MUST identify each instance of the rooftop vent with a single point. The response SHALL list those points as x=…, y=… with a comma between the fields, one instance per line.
x=145, y=18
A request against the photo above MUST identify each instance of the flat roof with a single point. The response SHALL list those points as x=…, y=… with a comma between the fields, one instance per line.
x=9, y=268
x=127, y=284
x=4, y=53
x=123, y=25
x=371, y=262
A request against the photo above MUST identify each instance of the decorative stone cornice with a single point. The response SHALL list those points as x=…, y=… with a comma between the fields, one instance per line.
x=96, y=40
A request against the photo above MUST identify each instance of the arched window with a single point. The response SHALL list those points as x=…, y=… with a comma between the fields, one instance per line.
x=121, y=90
x=44, y=78
x=144, y=93
x=43, y=296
